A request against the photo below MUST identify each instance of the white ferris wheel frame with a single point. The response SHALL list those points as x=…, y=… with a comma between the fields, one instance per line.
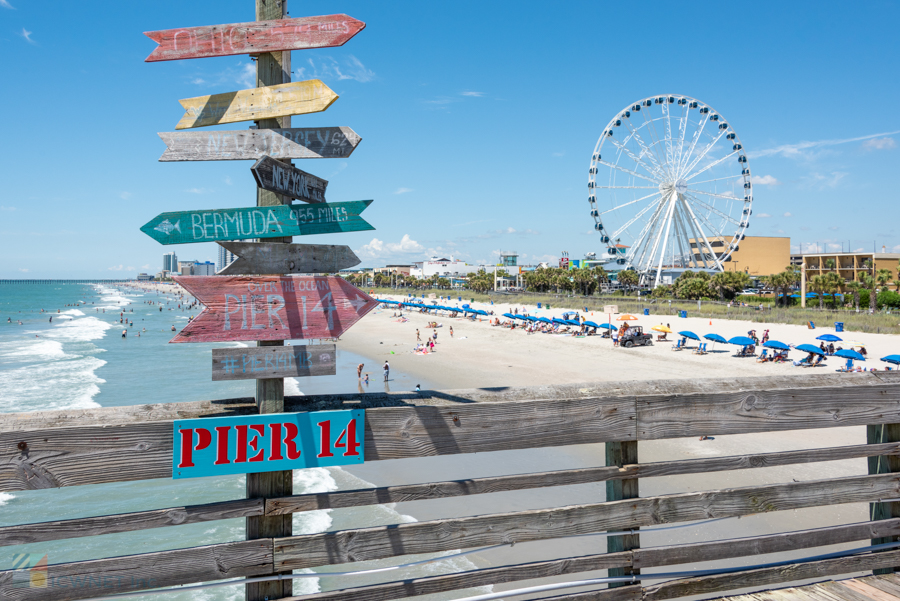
x=667, y=165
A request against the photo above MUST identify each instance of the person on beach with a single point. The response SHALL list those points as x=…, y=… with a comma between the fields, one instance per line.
x=434, y=336
x=359, y=369
x=451, y=331
x=124, y=333
x=367, y=379
x=387, y=370
x=418, y=336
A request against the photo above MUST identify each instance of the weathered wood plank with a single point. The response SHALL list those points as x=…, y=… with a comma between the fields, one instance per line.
x=284, y=143
x=254, y=37
x=272, y=307
x=287, y=180
x=478, y=486
x=760, y=577
x=880, y=434
x=759, y=545
x=276, y=258
x=294, y=98
x=273, y=362
x=657, y=556
x=448, y=582
x=866, y=590
x=188, y=227
x=619, y=454
x=625, y=593
x=101, y=577
x=888, y=583
x=129, y=522
x=442, y=535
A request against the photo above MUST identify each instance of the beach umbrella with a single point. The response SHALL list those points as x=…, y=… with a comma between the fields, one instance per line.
x=608, y=326
x=510, y=315
x=809, y=348
x=591, y=324
x=895, y=359
x=849, y=354
x=828, y=338
x=777, y=345
x=741, y=340
x=716, y=338
x=661, y=328
x=544, y=320
x=531, y=318
x=626, y=317
x=689, y=334
x=561, y=322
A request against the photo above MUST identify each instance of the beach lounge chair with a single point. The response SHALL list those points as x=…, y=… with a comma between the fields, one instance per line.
x=848, y=366
x=810, y=325
x=678, y=346
x=701, y=349
x=763, y=356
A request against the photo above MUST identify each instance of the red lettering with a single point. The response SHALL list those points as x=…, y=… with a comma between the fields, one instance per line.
x=325, y=427
x=187, y=444
x=275, y=452
x=291, y=432
x=260, y=432
x=222, y=445
x=241, y=444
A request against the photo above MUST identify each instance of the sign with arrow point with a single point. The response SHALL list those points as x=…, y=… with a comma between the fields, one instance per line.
x=282, y=143
x=278, y=258
x=287, y=180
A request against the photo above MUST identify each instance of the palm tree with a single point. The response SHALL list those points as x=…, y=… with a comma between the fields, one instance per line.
x=818, y=284
x=883, y=276
x=897, y=285
x=869, y=282
x=854, y=288
x=628, y=279
x=835, y=285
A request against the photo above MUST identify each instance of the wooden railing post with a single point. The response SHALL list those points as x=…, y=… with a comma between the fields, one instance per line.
x=883, y=464
x=620, y=454
x=271, y=69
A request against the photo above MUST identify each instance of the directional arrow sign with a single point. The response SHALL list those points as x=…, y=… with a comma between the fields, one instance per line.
x=258, y=363
x=288, y=143
x=212, y=225
x=287, y=180
x=253, y=38
x=272, y=307
x=278, y=258
x=296, y=98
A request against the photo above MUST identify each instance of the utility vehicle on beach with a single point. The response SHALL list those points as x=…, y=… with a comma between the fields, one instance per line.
x=635, y=336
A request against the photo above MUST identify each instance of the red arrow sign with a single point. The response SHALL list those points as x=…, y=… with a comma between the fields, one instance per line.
x=272, y=307
x=253, y=38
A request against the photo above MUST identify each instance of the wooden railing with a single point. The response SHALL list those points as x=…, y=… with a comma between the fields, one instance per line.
x=83, y=447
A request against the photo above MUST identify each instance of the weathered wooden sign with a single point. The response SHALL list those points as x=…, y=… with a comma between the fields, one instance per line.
x=272, y=307
x=250, y=444
x=253, y=38
x=295, y=98
x=284, y=143
x=277, y=258
x=255, y=363
x=185, y=227
x=287, y=180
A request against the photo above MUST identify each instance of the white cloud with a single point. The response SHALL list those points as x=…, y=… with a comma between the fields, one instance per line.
x=403, y=190
x=2, y=208
x=27, y=35
x=147, y=266
x=833, y=228
x=821, y=182
x=116, y=268
x=130, y=268
x=475, y=94
x=23, y=269
x=763, y=215
x=6, y=4
x=198, y=81
x=880, y=144
x=788, y=215
x=247, y=75
x=199, y=190
x=125, y=195
x=329, y=68
x=559, y=154
x=764, y=180
x=378, y=249
x=796, y=150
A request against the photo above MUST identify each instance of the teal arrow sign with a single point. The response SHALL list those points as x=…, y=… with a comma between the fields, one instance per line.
x=211, y=225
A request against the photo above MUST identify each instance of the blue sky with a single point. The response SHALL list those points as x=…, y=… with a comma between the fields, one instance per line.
x=478, y=122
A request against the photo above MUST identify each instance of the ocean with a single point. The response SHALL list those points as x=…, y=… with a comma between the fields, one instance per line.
x=72, y=355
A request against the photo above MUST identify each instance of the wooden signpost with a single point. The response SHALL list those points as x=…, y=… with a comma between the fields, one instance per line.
x=297, y=98
x=272, y=307
x=253, y=38
x=273, y=257
x=287, y=180
x=255, y=363
x=184, y=227
x=279, y=143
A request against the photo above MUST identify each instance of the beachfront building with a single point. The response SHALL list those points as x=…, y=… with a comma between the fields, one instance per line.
x=757, y=256
x=170, y=262
x=144, y=277
x=395, y=269
x=442, y=268
x=225, y=258
x=849, y=265
x=205, y=268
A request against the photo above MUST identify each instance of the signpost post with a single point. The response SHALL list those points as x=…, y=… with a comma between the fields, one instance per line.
x=271, y=257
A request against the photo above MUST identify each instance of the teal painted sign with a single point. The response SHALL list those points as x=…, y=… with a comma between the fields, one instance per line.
x=183, y=227
x=251, y=444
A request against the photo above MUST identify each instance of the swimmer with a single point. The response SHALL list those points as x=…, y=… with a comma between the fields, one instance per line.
x=173, y=328
x=124, y=333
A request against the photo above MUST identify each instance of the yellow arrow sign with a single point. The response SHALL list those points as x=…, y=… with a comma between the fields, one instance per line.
x=297, y=98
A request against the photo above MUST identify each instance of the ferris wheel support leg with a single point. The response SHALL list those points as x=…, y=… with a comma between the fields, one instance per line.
x=662, y=254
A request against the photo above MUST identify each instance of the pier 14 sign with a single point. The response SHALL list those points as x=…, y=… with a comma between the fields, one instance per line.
x=250, y=444
x=272, y=307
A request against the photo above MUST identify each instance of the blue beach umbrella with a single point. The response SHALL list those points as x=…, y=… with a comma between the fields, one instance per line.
x=573, y=322
x=849, y=354
x=809, y=348
x=510, y=315
x=544, y=320
x=741, y=340
x=608, y=326
x=561, y=322
x=689, y=334
x=591, y=324
x=895, y=359
x=716, y=338
x=828, y=338
x=777, y=345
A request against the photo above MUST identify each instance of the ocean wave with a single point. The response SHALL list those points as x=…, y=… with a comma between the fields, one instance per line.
x=79, y=330
x=5, y=498
x=75, y=312
x=65, y=384
x=292, y=387
x=31, y=350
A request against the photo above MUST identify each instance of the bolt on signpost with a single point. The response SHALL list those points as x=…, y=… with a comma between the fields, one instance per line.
x=266, y=306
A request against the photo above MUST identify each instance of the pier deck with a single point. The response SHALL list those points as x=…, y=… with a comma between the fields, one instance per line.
x=868, y=588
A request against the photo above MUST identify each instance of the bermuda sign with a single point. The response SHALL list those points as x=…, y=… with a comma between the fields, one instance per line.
x=251, y=444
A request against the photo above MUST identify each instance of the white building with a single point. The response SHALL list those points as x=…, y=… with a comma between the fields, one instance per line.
x=205, y=268
x=442, y=268
x=170, y=262
x=226, y=258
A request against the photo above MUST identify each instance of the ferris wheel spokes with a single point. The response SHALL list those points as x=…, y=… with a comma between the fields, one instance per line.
x=611, y=165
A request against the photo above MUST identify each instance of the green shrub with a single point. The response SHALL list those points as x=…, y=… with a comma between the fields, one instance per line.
x=888, y=298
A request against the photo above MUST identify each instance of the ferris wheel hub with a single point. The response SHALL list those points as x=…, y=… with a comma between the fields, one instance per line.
x=667, y=187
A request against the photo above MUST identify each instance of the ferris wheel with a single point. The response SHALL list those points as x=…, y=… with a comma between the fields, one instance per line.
x=669, y=187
